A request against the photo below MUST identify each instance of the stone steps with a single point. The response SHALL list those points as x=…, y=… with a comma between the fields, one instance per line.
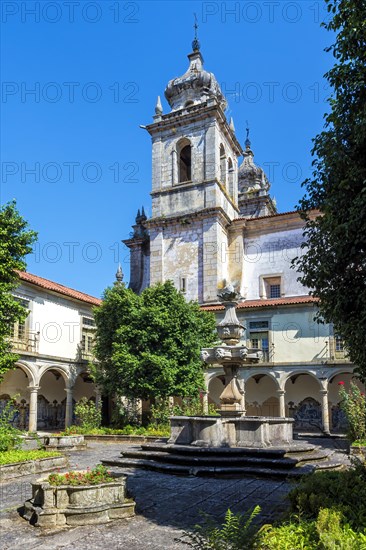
x=244, y=460
x=293, y=461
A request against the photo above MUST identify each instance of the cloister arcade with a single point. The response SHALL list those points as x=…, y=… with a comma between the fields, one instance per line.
x=311, y=397
x=45, y=395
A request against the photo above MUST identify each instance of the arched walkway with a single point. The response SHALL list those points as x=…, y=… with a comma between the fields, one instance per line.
x=261, y=396
x=304, y=402
x=19, y=384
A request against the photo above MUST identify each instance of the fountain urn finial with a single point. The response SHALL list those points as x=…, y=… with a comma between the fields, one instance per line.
x=230, y=330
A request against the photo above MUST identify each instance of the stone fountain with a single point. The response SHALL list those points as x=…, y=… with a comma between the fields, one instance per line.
x=231, y=443
x=232, y=428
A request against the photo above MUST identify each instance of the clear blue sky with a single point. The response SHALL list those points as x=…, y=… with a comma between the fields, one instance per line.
x=97, y=68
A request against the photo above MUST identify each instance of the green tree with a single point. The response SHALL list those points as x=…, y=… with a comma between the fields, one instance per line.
x=148, y=346
x=16, y=242
x=334, y=261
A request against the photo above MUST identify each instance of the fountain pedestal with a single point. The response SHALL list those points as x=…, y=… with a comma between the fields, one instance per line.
x=232, y=428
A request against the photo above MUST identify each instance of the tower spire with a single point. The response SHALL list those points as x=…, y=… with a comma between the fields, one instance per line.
x=195, y=44
x=119, y=274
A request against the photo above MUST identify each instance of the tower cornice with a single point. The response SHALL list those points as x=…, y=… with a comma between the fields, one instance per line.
x=209, y=110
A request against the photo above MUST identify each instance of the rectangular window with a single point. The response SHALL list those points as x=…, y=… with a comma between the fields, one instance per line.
x=271, y=286
x=183, y=285
x=258, y=325
x=275, y=291
x=88, y=322
x=260, y=340
x=339, y=343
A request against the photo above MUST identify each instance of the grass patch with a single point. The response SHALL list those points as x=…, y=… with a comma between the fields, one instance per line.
x=9, y=457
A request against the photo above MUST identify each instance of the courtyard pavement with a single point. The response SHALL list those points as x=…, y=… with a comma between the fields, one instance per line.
x=166, y=506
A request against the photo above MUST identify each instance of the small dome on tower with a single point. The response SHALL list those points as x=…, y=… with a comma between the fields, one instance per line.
x=195, y=86
x=251, y=178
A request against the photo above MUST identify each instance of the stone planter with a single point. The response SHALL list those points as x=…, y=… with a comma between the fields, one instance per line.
x=358, y=452
x=52, y=506
x=18, y=469
x=65, y=443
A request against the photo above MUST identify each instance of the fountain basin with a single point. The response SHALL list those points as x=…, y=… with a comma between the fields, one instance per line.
x=244, y=431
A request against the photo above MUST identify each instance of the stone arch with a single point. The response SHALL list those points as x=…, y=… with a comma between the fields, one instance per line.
x=261, y=395
x=304, y=400
x=338, y=421
x=17, y=383
x=63, y=371
x=84, y=386
x=184, y=159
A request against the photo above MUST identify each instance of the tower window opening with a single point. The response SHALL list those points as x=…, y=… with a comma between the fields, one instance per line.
x=231, y=177
x=185, y=164
x=222, y=165
x=183, y=285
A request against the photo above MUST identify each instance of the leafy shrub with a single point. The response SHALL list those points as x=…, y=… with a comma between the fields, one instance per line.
x=10, y=437
x=87, y=414
x=190, y=406
x=8, y=457
x=299, y=535
x=236, y=533
x=97, y=475
x=353, y=403
x=341, y=490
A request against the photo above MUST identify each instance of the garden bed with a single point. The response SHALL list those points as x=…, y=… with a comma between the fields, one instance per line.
x=358, y=451
x=71, y=505
x=38, y=462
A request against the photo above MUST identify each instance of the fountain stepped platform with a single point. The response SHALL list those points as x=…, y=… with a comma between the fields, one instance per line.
x=280, y=462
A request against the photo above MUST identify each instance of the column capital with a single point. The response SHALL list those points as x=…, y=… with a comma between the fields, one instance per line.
x=69, y=390
x=323, y=392
x=281, y=392
x=34, y=389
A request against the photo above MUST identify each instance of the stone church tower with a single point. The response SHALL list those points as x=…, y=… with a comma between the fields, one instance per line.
x=197, y=190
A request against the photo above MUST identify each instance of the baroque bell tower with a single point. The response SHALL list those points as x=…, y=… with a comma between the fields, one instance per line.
x=194, y=183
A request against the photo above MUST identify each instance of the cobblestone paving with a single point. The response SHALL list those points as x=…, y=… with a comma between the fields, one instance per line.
x=166, y=505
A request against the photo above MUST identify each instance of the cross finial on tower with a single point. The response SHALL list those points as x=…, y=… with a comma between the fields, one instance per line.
x=247, y=141
x=195, y=43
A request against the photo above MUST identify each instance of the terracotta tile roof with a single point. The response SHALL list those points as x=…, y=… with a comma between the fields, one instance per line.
x=291, y=300
x=56, y=287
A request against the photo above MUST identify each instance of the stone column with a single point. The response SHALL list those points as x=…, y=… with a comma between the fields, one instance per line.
x=33, y=390
x=205, y=401
x=98, y=397
x=281, y=397
x=68, y=412
x=325, y=410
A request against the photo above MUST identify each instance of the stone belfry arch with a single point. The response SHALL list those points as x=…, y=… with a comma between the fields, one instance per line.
x=194, y=184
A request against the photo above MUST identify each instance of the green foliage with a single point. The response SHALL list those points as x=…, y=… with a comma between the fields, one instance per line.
x=9, y=457
x=87, y=414
x=97, y=475
x=15, y=242
x=151, y=429
x=353, y=403
x=189, y=406
x=289, y=536
x=10, y=437
x=333, y=264
x=148, y=346
x=343, y=490
x=327, y=532
x=236, y=533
